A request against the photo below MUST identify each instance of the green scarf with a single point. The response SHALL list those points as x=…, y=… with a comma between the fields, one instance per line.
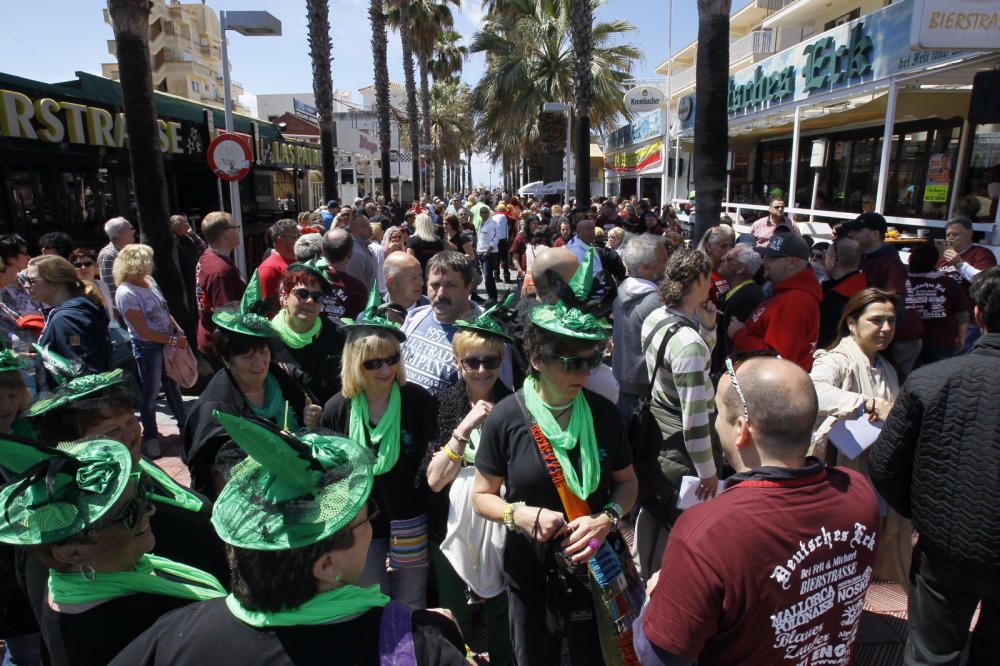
x=73, y=588
x=325, y=607
x=294, y=339
x=385, y=435
x=180, y=497
x=276, y=408
x=580, y=429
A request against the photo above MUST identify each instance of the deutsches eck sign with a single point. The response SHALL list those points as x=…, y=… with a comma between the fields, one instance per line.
x=643, y=98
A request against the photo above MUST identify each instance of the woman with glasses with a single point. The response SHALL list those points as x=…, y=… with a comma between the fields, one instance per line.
x=76, y=327
x=84, y=260
x=553, y=467
x=466, y=549
x=83, y=511
x=311, y=345
x=678, y=340
x=141, y=303
x=298, y=520
x=250, y=383
x=396, y=420
x=854, y=380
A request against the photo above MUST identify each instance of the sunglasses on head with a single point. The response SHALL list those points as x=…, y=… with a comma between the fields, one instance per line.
x=578, y=363
x=376, y=363
x=734, y=361
x=86, y=263
x=304, y=294
x=488, y=362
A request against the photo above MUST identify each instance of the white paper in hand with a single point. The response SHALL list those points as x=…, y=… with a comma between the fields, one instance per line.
x=853, y=436
x=688, y=496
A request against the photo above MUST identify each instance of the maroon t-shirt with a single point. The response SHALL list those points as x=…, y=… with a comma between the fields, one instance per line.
x=977, y=257
x=217, y=283
x=770, y=572
x=520, y=247
x=937, y=299
x=347, y=297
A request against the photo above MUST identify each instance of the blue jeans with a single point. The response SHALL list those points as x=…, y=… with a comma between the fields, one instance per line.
x=23, y=650
x=149, y=363
x=406, y=585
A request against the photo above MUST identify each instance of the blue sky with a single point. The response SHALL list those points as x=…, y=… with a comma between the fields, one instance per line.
x=49, y=40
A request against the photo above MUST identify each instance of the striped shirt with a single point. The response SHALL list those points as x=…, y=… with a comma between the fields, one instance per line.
x=683, y=385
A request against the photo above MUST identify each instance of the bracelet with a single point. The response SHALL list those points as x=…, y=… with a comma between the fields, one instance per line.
x=451, y=454
x=458, y=438
x=173, y=341
x=615, y=508
x=508, y=516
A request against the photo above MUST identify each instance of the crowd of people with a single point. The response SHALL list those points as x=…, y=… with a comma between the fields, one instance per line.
x=501, y=431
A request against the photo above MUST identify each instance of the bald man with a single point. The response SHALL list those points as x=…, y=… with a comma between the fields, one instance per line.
x=558, y=259
x=404, y=281
x=777, y=565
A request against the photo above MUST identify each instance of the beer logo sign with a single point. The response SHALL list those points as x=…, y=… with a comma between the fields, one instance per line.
x=643, y=98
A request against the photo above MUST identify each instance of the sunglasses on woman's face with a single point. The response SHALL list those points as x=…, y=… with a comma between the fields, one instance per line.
x=130, y=514
x=578, y=363
x=86, y=263
x=376, y=363
x=304, y=294
x=471, y=364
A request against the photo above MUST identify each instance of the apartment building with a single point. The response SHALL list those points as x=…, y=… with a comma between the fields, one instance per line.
x=185, y=45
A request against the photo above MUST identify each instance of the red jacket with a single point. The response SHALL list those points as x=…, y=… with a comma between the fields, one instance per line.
x=788, y=322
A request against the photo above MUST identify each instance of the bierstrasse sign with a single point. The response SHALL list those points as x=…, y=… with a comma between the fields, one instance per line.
x=643, y=98
x=957, y=24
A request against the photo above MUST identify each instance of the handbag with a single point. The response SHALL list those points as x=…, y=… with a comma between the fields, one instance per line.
x=122, y=355
x=180, y=365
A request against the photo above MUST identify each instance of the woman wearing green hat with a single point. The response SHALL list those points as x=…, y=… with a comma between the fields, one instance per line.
x=396, y=420
x=14, y=395
x=298, y=521
x=249, y=384
x=311, y=345
x=560, y=451
x=83, y=511
x=466, y=549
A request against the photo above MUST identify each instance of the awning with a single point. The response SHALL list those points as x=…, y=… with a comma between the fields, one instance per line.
x=595, y=151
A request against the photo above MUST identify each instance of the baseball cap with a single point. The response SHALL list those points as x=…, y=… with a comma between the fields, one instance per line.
x=869, y=221
x=786, y=245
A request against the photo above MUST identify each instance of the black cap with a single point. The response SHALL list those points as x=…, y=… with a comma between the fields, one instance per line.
x=786, y=245
x=869, y=221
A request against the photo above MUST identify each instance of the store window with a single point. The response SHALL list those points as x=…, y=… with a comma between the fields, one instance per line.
x=984, y=169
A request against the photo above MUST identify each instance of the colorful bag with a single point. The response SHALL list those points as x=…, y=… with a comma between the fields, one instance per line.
x=408, y=543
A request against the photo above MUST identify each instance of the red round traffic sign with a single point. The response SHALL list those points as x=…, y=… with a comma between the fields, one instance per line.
x=229, y=156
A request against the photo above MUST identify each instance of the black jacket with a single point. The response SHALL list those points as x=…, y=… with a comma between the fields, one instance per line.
x=317, y=365
x=938, y=458
x=78, y=331
x=204, y=437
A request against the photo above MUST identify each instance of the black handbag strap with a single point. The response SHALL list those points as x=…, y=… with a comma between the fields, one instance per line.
x=675, y=325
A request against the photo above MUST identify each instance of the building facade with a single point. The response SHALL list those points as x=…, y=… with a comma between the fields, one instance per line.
x=185, y=47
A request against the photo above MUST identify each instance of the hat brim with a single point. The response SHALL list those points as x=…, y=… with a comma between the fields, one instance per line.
x=482, y=330
x=244, y=324
x=362, y=326
x=75, y=389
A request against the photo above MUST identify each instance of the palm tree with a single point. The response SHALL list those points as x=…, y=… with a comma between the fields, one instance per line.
x=529, y=61
x=581, y=21
x=130, y=22
x=711, y=122
x=377, y=17
x=449, y=56
x=320, y=46
x=397, y=14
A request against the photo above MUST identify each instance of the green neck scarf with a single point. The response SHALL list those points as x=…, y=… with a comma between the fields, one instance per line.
x=195, y=584
x=294, y=339
x=580, y=429
x=385, y=436
x=324, y=608
x=276, y=408
x=180, y=496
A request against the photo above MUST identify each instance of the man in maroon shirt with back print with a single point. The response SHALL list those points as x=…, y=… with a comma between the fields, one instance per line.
x=774, y=569
x=217, y=280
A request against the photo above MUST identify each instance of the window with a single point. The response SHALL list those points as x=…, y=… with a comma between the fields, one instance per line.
x=841, y=20
x=194, y=86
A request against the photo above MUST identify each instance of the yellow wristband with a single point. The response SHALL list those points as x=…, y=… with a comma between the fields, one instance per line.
x=451, y=454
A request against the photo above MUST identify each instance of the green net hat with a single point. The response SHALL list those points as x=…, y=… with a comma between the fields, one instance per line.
x=571, y=322
x=292, y=490
x=245, y=323
x=315, y=267
x=11, y=361
x=488, y=323
x=60, y=367
x=370, y=318
x=75, y=389
x=58, y=493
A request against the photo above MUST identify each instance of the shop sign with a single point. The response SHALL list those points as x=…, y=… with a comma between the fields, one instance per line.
x=643, y=98
x=51, y=121
x=642, y=129
x=867, y=49
x=282, y=153
x=958, y=24
x=634, y=161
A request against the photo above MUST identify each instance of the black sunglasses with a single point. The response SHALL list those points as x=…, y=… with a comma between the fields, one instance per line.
x=578, y=363
x=376, y=363
x=83, y=264
x=472, y=363
x=373, y=513
x=130, y=514
x=304, y=294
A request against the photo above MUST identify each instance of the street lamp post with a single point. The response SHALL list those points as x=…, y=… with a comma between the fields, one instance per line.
x=425, y=155
x=559, y=107
x=251, y=24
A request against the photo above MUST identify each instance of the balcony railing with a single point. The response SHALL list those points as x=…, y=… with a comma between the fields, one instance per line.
x=773, y=6
x=758, y=42
x=683, y=79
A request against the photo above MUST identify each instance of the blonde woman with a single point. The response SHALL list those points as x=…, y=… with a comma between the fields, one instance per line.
x=151, y=327
x=76, y=327
x=425, y=242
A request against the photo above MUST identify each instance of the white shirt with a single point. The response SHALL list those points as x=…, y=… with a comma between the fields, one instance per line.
x=376, y=249
x=579, y=250
x=501, y=222
x=487, y=238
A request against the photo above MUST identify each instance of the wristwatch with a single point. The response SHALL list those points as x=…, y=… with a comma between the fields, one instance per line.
x=613, y=515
